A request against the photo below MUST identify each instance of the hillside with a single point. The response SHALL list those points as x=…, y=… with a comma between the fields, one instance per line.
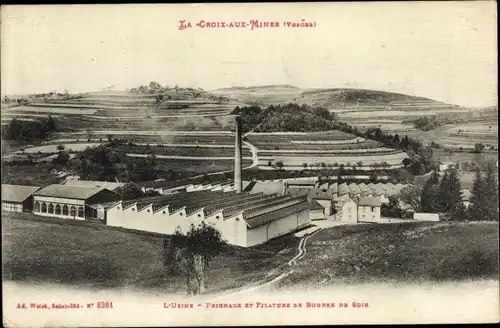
x=257, y=88
x=408, y=252
x=51, y=250
x=332, y=98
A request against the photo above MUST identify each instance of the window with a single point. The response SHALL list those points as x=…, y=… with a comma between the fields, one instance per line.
x=373, y=208
x=72, y=211
x=180, y=214
x=65, y=210
x=51, y=208
x=118, y=207
x=44, y=208
x=80, y=211
x=164, y=212
x=37, y=207
x=217, y=217
x=133, y=209
x=57, y=209
x=148, y=211
x=199, y=215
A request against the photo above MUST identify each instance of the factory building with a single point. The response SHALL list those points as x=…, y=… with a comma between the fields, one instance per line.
x=17, y=198
x=71, y=202
x=243, y=219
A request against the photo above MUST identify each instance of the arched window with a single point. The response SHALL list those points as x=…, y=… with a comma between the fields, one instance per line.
x=80, y=211
x=72, y=211
x=37, y=206
x=44, y=208
x=57, y=209
x=51, y=208
x=65, y=210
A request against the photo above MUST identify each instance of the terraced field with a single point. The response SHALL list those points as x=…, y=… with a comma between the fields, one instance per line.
x=296, y=162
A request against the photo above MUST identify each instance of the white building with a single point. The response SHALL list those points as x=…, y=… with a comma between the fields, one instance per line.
x=368, y=209
x=347, y=211
x=243, y=219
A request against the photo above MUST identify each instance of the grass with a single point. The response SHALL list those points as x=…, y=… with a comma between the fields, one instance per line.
x=182, y=151
x=37, y=249
x=407, y=252
x=29, y=174
x=271, y=145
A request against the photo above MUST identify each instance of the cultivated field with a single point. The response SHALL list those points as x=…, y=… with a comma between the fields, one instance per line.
x=183, y=125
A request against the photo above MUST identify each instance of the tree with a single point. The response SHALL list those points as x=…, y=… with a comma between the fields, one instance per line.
x=279, y=164
x=304, y=165
x=430, y=194
x=60, y=147
x=62, y=158
x=153, y=85
x=392, y=209
x=412, y=195
x=478, y=147
x=360, y=164
x=151, y=160
x=477, y=208
x=491, y=191
x=449, y=193
x=130, y=191
x=196, y=249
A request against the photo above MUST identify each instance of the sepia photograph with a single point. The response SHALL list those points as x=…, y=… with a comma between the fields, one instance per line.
x=249, y=164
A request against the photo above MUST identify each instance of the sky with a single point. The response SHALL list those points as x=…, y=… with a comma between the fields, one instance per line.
x=446, y=51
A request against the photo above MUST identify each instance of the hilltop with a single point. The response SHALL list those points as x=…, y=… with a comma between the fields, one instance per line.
x=331, y=98
x=259, y=88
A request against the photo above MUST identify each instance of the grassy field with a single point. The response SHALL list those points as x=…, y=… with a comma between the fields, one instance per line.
x=183, y=151
x=269, y=145
x=29, y=174
x=294, y=160
x=407, y=252
x=37, y=249
x=194, y=166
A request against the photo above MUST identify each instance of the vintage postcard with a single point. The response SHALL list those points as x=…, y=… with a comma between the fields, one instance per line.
x=249, y=164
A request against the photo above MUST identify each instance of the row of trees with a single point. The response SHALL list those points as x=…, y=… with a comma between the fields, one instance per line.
x=22, y=130
x=443, y=195
x=163, y=93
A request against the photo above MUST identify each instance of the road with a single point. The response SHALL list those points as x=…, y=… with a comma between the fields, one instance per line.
x=301, y=254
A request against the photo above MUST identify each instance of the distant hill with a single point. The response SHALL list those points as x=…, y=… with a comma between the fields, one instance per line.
x=331, y=98
x=258, y=88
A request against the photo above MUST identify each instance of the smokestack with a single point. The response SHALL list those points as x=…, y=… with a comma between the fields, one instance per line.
x=237, y=156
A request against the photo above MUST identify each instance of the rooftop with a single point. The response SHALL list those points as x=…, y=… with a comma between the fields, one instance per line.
x=16, y=193
x=368, y=201
x=266, y=187
x=314, y=205
x=267, y=217
x=316, y=193
x=94, y=184
x=301, y=182
x=64, y=191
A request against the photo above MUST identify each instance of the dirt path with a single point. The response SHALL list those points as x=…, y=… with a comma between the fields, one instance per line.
x=301, y=254
x=254, y=151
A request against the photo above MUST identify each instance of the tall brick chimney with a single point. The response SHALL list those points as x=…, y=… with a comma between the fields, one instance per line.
x=237, y=156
